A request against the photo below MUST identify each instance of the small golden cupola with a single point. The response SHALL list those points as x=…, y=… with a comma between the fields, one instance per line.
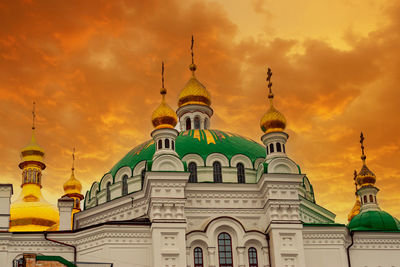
x=194, y=92
x=73, y=188
x=365, y=177
x=194, y=103
x=164, y=116
x=273, y=120
x=357, y=205
x=31, y=212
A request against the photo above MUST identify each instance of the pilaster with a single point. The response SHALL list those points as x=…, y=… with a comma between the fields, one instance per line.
x=6, y=191
x=167, y=214
x=65, y=205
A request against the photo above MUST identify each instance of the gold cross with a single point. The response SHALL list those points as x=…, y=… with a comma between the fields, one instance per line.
x=33, y=116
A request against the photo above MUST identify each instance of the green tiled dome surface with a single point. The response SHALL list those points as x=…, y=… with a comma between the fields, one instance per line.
x=201, y=142
x=374, y=221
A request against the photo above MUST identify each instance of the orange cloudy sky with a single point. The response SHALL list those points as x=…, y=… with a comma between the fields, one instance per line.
x=93, y=68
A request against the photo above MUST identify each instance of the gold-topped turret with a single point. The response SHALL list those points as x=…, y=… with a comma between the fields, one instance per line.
x=31, y=212
x=73, y=188
x=194, y=92
x=273, y=120
x=365, y=176
x=164, y=116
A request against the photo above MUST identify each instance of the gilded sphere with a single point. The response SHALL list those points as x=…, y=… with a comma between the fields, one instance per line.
x=273, y=121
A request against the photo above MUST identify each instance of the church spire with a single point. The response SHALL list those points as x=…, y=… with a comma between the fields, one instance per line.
x=365, y=176
x=192, y=66
x=273, y=120
x=164, y=116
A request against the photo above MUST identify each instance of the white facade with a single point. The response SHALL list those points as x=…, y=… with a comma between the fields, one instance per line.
x=162, y=224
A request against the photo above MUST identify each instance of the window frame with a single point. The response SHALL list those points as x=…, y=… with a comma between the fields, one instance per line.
x=227, y=248
x=198, y=255
x=251, y=253
x=241, y=173
x=217, y=172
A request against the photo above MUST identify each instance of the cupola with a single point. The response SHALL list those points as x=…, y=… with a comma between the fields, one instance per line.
x=194, y=103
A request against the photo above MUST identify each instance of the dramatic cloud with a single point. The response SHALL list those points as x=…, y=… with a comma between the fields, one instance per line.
x=93, y=67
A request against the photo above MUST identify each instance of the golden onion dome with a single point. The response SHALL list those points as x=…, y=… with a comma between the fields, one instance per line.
x=355, y=210
x=194, y=92
x=164, y=116
x=365, y=177
x=273, y=121
x=72, y=185
x=31, y=212
x=32, y=153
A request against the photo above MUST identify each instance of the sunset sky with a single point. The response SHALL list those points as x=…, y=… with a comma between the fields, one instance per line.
x=93, y=68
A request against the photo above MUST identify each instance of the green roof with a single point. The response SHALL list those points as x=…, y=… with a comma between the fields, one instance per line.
x=374, y=221
x=55, y=258
x=201, y=142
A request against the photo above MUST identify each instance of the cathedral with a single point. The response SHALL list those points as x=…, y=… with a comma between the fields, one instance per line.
x=194, y=196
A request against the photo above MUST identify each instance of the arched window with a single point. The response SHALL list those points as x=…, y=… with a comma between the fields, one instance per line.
x=240, y=173
x=193, y=172
x=142, y=176
x=188, y=124
x=371, y=198
x=284, y=150
x=278, y=147
x=375, y=199
x=225, y=250
x=166, y=143
x=271, y=148
x=39, y=178
x=365, y=199
x=267, y=150
x=108, y=191
x=196, y=122
x=159, y=144
x=198, y=257
x=253, y=262
x=125, y=185
x=172, y=144
x=205, y=123
x=217, y=172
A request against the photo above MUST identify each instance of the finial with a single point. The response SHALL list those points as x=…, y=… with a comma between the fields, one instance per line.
x=192, y=66
x=363, y=157
x=73, y=159
x=163, y=91
x=33, y=116
x=270, y=94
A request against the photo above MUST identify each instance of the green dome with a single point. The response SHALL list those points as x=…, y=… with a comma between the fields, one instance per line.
x=201, y=142
x=374, y=221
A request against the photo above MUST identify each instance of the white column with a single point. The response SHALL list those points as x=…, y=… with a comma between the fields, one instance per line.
x=6, y=191
x=265, y=257
x=65, y=205
x=211, y=256
x=240, y=251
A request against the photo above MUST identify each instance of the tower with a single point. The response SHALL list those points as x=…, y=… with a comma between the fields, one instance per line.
x=370, y=217
x=73, y=188
x=164, y=120
x=31, y=212
x=194, y=103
